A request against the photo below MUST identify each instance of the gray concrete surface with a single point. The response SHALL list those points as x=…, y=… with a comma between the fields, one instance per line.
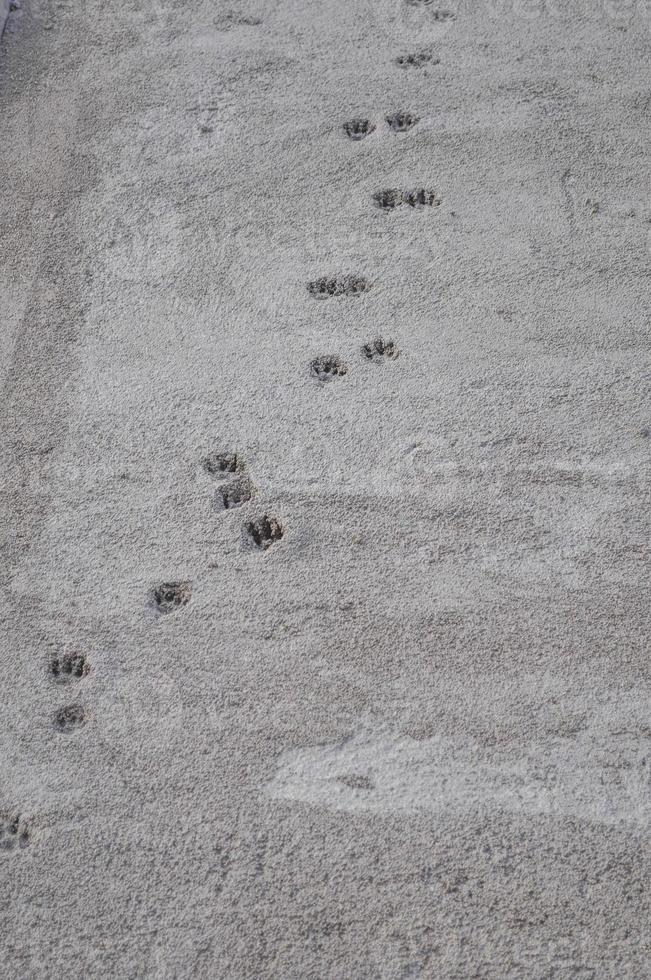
x=411, y=737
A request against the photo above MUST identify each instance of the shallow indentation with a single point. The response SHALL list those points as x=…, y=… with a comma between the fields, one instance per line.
x=217, y=463
x=327, y=286
x=356, y=781
x=248, y=21
x=69, y=666
x=169, y=596
x=393, y=198
x=417, y=59
x=71, y=717
x=14, y=831
x=327, y=367
x=388, y=199
x=380, y=350
x=358, y=129
x=234, y=19
x=234, y=494
x=400, y=122
x=449, y=773
x=421, y=198
x=264, y=531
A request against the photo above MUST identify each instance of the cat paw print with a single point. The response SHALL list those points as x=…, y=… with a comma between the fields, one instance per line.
x=358, y=129
x=234, y=494
x=69, y=667
x=222, y=463
x=421, y=198
x=329, y=286
x=14, y=831
x=327, y=367
x=170, y=596
x=379, y=350
x=70, y=718
x=263, y=532
x=389, y=200
x=416, y=59
x=232, y=467
x=401, y=122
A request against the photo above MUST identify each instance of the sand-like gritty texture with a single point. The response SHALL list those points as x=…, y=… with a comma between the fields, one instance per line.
x=325, y=454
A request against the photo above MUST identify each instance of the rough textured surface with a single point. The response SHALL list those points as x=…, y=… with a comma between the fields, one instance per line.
x=4, y=14
x=402, y=730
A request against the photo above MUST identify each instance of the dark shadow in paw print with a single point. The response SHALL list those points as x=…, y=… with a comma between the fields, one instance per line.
x=172, y=595
x=71, y=717
x=234, y=494
x=327, y=367
x=380, y=350
x=264, y=532
x=14, y=832
x=416, y=60
x=325, y=287
x=421, y=198
x=69, y=667
x=358, y=129
x=218, y=463
x=389, y=199
x=400, y=122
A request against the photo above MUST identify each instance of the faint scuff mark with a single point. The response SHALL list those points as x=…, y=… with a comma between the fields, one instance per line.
x=584, y=777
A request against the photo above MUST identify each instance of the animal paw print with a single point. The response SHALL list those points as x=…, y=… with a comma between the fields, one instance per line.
x=71, y=717
x=234, y=494
x=380, y=350
x=219, y=463
x=327, y=368
x=14, y=832
x=358, y=129
x=264, y=532
x=401, y=122
x=421, y=198
x=388, y=200
x=239, y=490
x=172, y=595
x=349, y=285
x=416, y=60
x=69, y=667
